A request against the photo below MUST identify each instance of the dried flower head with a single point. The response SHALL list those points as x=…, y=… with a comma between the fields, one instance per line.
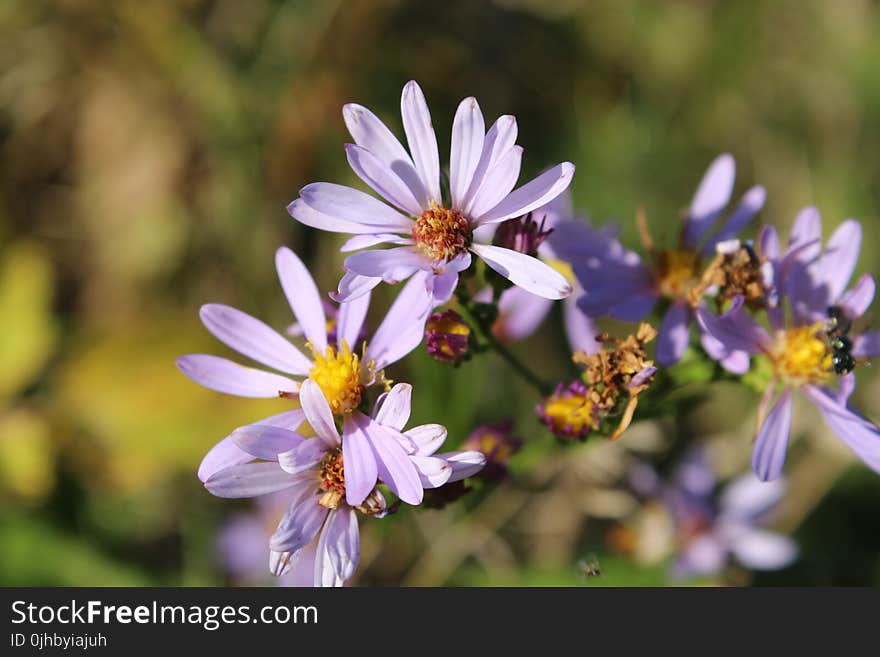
x=618, y=373
x=737, y=270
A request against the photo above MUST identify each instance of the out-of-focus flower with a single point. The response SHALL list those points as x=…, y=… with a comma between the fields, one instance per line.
x=341, y=374
x=711, y=527
x=618, y=283
x=329, y=477
x=799, y=348
x=497, y=442
x=447, y=337
x=570, y=412
x=430, y=234
x=242, y=543
x=561, y=238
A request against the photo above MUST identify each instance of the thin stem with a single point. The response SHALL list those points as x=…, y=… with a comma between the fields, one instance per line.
x=493, y=343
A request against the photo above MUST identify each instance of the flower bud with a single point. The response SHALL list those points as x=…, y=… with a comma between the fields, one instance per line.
x=447, y=337
x=522, y=234
x=498, y=444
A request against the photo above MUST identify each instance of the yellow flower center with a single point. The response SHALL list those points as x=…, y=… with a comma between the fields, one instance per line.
x=442, y=234
x=676, y=272
x=494, y=444
x=802, y=355
x=338, y=373
x=572, y=415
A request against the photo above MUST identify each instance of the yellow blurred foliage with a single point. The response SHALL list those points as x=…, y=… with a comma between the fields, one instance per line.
x=29, y=330
x=148, y=419
x=27, y=456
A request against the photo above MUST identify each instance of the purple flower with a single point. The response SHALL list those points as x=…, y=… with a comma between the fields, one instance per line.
x=497, y=442
x=429, y=234
x=569, y=412
x=341, y=374
x=618, y=283
x=798, y=348
x=243, y=542
x=330, y=477
x=520, y=312
x=710, y=528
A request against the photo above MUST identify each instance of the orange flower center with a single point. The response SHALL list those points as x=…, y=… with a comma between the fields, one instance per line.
x=442, y=234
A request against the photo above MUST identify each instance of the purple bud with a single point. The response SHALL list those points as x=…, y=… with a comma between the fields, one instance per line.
x=498, y=444
x=447, y=337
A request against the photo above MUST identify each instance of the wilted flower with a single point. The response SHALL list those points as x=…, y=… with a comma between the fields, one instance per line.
x=341, y=374
x=613, y=378
x=330, y=477
x=498, y=444
x=447, y=337
x=800, y=350
x=431, y=235
x=618, y=283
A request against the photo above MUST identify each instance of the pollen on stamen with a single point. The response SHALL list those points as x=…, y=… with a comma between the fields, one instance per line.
x=802, y=355
x=332, y=476
x=338, y=373
x=442, y=234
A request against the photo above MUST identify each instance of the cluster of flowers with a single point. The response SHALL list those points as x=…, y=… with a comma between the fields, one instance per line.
x=535, y=251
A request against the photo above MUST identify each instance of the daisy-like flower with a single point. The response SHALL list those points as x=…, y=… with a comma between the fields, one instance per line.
x=799, y=348
x=618, y=283
x=711, y=526
x=330, y=478
x=342, y=374
x=555, y=235
x=429, y=233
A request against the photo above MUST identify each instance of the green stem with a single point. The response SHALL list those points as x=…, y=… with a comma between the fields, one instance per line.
x=491, y=342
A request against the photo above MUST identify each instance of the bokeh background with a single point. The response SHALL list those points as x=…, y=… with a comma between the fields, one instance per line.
x=148, y=151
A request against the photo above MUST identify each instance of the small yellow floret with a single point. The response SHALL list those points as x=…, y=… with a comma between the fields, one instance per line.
x=802, y=355
x=338, y=373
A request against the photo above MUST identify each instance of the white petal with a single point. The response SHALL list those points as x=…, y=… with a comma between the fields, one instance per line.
x=318, y=413
x=497, y=184
x=427, y=437
x=382, y=179
x=254, y=339
x=525, y=271
x=403, y=328
x=250, y=480
x=302, y=295
x=468, y=132
x=530, y=196
x=225, y=376
x=421, y=138
x=499, y=140
x=351, y=320
x=395, y=408
x=433, y=471
x=356, y=207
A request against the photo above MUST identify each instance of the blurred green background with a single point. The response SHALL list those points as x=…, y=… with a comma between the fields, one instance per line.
x=148, y=151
